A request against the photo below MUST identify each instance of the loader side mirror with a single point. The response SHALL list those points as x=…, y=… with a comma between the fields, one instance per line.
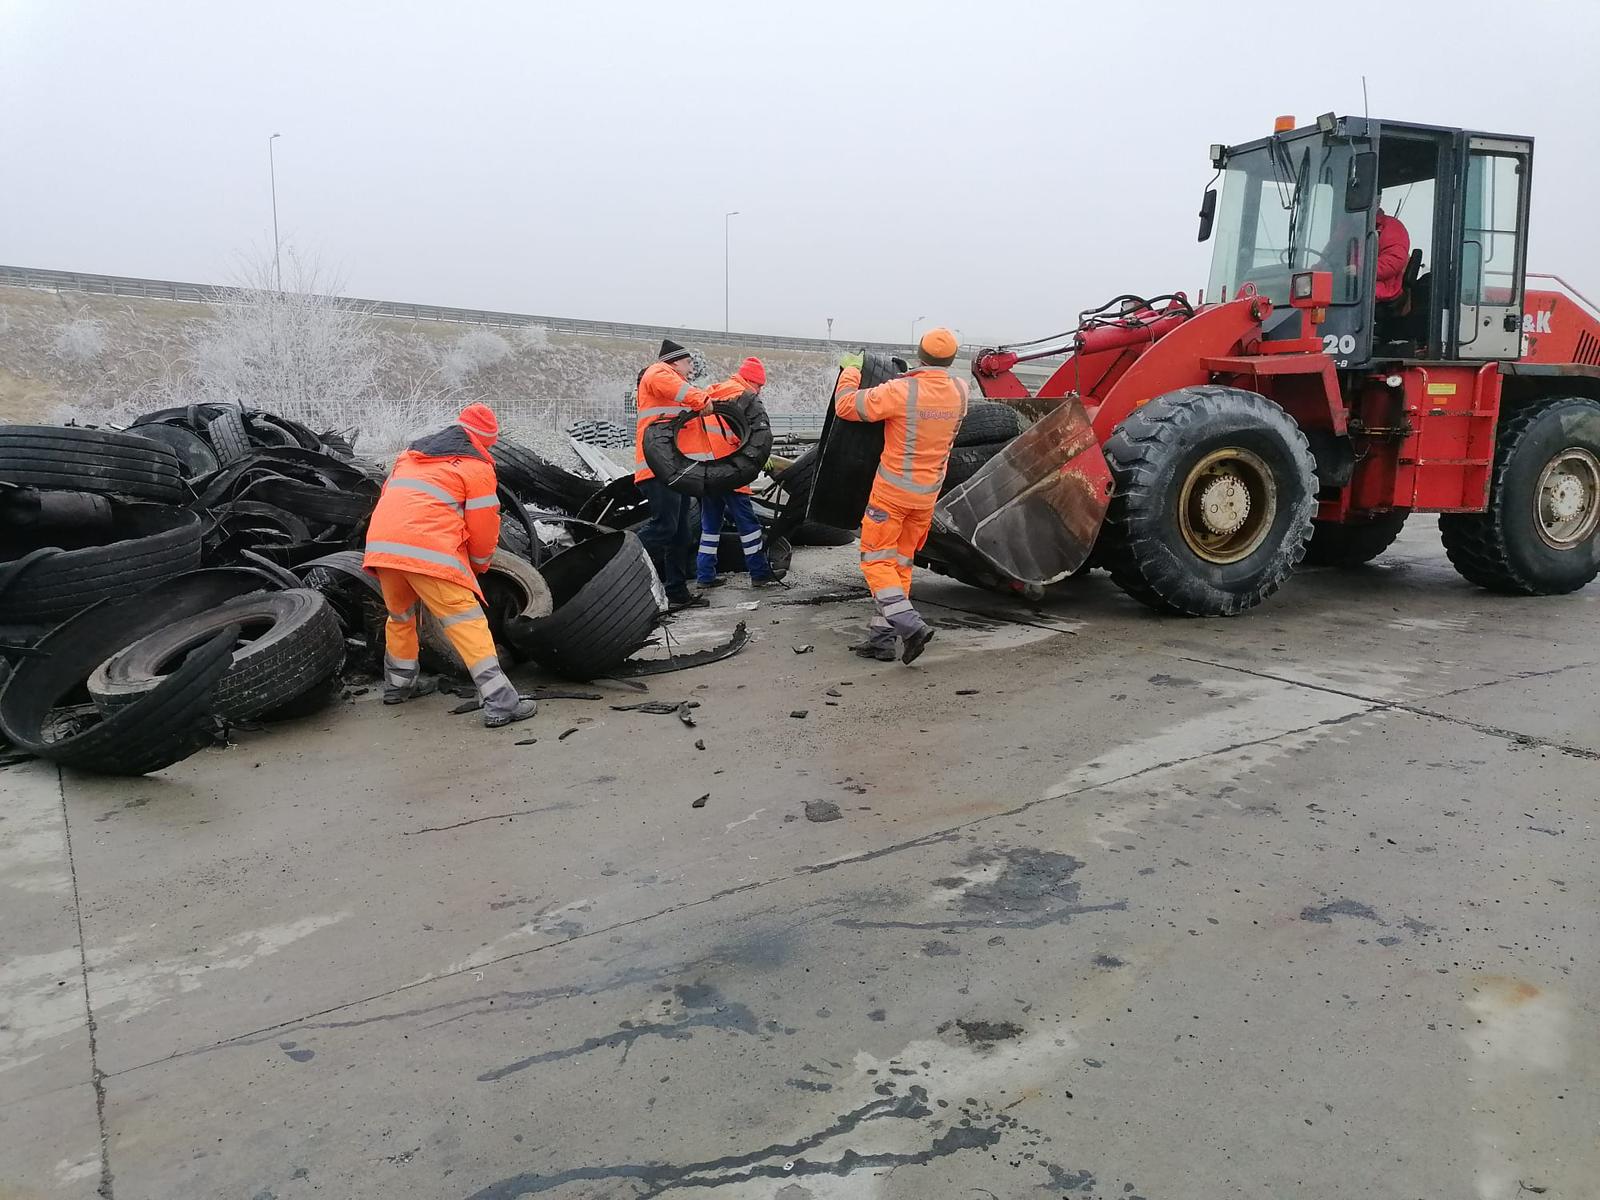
x=1208, y=213
x=1362, y=189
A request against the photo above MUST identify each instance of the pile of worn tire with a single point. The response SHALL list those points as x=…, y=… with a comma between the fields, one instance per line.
x=200, y=571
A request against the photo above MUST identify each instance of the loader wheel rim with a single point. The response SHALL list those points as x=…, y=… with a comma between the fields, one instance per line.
x=1227, y=505
x=1567, y=499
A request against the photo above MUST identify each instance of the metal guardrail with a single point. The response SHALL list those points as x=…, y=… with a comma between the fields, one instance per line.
x=207, y=293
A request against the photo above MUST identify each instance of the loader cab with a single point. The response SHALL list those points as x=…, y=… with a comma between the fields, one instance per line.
x=1308, y=200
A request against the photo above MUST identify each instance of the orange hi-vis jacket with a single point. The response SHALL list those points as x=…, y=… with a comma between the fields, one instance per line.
x=663, y=394
x=438, y=514
x=921, y=412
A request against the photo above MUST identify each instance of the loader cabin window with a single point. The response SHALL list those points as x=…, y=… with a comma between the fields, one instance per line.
x=1282, y=213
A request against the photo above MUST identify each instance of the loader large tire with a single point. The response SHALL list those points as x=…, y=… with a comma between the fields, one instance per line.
x=1338, y=545
x=1215, y=492
x=1541, y=533
x=604, y=595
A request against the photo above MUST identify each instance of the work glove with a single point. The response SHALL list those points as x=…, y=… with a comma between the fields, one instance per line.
x=852, y=361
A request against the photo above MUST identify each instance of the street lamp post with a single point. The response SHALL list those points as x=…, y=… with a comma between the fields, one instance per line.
x=830, y=333
x=726, y=218
x=914, y=325
x=272, y=167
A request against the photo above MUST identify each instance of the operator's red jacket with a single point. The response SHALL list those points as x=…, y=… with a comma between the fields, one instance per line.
x=1394, y=252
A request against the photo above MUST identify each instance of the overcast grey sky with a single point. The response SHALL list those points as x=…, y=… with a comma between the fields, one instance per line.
x=995, y=166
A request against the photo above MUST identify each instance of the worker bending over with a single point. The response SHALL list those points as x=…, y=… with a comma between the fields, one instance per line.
x=432, y=534
x=721, y=441
x=664, y=392
x=921, y=412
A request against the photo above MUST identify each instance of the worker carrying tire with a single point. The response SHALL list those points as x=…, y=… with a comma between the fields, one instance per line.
x=714, y=439
x=432, y=534
x=921, y=412
x=663, y=394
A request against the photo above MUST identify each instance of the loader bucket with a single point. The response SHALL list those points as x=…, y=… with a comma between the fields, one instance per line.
x=1032, y=513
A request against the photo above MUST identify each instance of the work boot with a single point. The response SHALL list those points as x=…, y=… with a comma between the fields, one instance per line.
x=423, y=685
x=715, y=582
x=686, y=600
x=526, y=707
x=770, y=581
x=871, y=649
x=915, y=643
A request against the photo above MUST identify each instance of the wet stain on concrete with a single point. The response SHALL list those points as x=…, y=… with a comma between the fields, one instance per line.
x=938, y=949
x=1068, y=1181
x=702, y=1007
x=1325, y=913
x=1173, y=681
x=822, y=810
x=808, y=1085
x=982, y=1032
x=1031, y=889
x=783, y=1160
x=295, y=1055
x=1108, y=962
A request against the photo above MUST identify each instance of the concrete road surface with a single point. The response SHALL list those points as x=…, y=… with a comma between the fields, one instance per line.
x=1088, y=903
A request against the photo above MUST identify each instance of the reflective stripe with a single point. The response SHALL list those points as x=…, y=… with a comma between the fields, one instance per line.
x=903, y=559
x=700, y=456
x=907, y=485
x=472, y=614
x=709, y=547
x=879, y=555
x=683, y=390
x=908, y=461
x=848, y=400
x=650, y=414
x=421, y=553
x=400, y=664
x=489, y=501
x=898, y=607
x=888, y=594
x=751, y=539
x=482, y=562
x=430, y=489
x=400, y=618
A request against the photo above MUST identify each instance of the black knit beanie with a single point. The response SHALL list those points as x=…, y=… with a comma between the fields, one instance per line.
x=671, y=351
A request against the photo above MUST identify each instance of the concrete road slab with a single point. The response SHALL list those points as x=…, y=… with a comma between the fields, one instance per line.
x=1086, y=902
x=1210, y=979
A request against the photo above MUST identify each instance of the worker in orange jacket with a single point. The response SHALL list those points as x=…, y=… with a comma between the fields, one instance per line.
x=431, y=535
x=664, y=393
x=719, y=442
x=921, y=412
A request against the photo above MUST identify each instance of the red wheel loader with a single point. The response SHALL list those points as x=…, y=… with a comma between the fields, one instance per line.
x=1199, y=451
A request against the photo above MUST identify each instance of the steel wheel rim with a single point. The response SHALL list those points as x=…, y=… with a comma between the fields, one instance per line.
x=1567, y=499
x=1227, y=505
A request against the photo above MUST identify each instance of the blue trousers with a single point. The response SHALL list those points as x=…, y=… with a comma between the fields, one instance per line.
x=736, y=505
x=666, y=534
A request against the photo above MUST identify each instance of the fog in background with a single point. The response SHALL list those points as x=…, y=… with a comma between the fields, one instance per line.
x=993, y=166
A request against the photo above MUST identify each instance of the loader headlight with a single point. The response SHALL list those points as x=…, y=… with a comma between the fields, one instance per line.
x=1300, y=286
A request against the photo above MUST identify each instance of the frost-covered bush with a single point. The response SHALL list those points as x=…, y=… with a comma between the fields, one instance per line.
x=80, y=341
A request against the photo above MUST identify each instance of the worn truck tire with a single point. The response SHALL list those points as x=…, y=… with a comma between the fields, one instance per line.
x=539, y=481
x=290, y=643
x=1172, y=461
x=1541, y=533
x=169, y=723
x=89, y=460
x=989, y=421
x=228, y=436
x=748, y=420
x=965, y=462
x=603, y=591
x=1352, y=545
x=195, y=455
x=54, y=576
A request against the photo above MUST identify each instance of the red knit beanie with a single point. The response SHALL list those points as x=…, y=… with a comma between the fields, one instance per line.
x=480, y=421
x=751, y=371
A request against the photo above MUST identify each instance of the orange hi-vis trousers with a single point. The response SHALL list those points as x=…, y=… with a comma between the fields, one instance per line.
x=456, y=609
x=891, y=534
